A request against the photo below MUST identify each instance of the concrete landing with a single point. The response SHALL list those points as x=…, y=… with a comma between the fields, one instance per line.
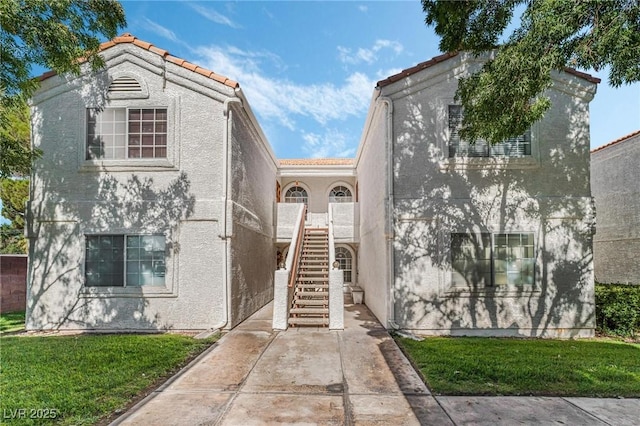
x=357, y=376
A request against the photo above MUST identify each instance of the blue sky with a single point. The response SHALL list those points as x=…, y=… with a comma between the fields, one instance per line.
x=309, y=68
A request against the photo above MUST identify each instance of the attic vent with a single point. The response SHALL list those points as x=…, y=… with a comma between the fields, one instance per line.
x=124, y=85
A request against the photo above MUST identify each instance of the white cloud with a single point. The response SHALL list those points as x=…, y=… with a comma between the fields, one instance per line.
x=160, y=30
x=332, y=143
x=214, y=16
x=368, y=55
x=363, y=8
x=282, y=99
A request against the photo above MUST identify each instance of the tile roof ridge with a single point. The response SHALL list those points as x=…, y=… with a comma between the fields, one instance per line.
x=616, y=141
x=130, y=38
x=445, y=56
x=335, y=161
x=414, y=69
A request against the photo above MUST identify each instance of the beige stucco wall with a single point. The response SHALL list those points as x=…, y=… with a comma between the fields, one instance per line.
x=615, y=184
x=547, y=194
x=373, y=257
x=181, y=197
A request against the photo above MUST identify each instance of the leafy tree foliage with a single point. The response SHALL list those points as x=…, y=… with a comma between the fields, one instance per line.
x=14, y=194
x=52, y=34
x=15, y=137
x=507, y=96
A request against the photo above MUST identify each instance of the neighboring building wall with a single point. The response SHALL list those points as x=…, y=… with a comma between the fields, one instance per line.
x=615, y=177
x=373, y=257
x=180, y=197
x=253, y=252
x=13, y=283
x=546, y=194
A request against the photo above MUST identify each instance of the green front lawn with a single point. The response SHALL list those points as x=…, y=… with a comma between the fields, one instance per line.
x=80, y=379
x=498, y=366
x=13, y=321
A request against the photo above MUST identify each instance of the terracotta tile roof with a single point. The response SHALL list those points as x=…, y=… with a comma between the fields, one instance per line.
x=582, y=75
x=128, y=38
x=316, y=162
x=422, y=65
x=623, y=138
x=441, y=58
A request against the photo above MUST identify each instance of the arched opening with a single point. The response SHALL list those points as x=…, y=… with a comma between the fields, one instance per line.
x=345, y=258
x=296, y=194
x=340, y=194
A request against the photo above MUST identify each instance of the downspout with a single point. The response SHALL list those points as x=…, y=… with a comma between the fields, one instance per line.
x=226, y=181
x=390, y=212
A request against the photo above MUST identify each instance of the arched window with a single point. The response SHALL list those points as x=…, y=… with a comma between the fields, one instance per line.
x=340, y=194
x=296, y=194
x=343, y=256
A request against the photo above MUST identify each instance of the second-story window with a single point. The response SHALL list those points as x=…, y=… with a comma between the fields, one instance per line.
x=120, y=133
x=296, y=194
x=513, y=147
x=340, y=194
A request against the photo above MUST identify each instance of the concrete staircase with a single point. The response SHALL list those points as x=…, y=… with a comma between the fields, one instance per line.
x=311, y=296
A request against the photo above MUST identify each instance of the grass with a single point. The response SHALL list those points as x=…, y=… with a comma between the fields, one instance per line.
x=10, y=322
x=499, y=366
x=81, y=379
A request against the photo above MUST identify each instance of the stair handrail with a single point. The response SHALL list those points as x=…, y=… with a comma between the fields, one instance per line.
x=293, y=257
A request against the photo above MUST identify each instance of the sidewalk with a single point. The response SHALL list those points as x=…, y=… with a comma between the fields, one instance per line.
x=358, y=376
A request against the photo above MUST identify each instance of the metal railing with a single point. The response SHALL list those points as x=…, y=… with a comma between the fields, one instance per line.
x=296, y=245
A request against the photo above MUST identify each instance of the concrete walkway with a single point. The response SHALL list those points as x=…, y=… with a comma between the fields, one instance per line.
x=307, y=376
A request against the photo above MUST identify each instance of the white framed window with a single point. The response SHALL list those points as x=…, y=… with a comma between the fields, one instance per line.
x=296, y=194
x=123, y=133
x=125, y=260
x=492, y=260
x=340, y=194
x=343, y=256
x=513, y=147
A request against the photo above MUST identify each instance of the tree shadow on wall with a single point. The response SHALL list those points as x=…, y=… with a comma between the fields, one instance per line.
x=66, y=204
x=437, y=197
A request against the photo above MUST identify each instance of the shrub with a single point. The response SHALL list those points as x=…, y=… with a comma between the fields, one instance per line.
x=618, y=309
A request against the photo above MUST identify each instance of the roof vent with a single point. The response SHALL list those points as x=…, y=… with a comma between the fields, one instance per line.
x=125, y=85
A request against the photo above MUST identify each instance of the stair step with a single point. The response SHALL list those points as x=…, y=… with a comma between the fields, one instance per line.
x=309, y=311
x=313, y=272
x=309, y=321
x=303, y=280
x=310, y=302
x=315, y=294
x=303, y=286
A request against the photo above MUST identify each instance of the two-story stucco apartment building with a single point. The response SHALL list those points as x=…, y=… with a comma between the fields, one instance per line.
x=159, y=204
x=615, y=182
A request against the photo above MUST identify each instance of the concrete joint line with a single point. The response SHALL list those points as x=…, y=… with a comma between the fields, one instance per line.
x=444, y=410
x=244, y=380
x=585, y=411
x=164, y=385
x=346, y=402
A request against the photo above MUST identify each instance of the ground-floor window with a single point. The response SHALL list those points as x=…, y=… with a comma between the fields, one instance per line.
x=343, y=256
x=124, y=260
x=500, y=259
